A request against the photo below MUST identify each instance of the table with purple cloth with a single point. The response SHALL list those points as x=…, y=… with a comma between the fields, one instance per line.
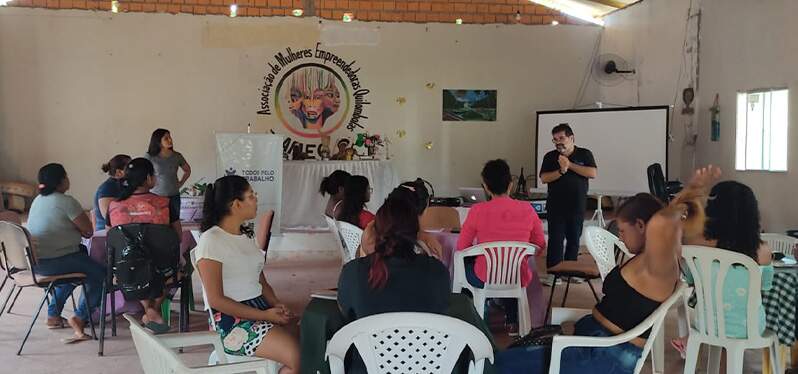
x=534, y=290
x=97, y=251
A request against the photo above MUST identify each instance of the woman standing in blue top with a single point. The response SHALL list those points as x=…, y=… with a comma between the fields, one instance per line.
x=166, y=162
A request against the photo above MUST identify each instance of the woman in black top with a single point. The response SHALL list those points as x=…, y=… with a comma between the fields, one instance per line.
x=393, y=278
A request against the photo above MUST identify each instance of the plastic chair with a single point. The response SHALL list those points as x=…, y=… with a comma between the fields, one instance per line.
x=710, y=325
x=601, y=245
x=351, y=235
x=13, y=217
x=440, y=217
x=157, y=355
x=409, y=343
x=263, y=232
x=779, y=242
x=503, y=276
x=654, y=322
x=19, y=258
x=339, y=243
x=214, y=358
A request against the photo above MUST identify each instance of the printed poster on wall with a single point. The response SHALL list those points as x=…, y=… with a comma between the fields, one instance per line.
x=259, y=159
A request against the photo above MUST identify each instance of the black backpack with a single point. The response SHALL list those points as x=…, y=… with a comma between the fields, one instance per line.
x=143, y=257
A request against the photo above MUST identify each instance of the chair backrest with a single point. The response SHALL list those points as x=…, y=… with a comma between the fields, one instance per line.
x=339, y=243
x=211, y=321
x=601, y=245
x=10, y=216
x=15, y=243
x=780, y=243
x=351, y=235
x=263, y=233
x=504, y=260
x=708, y=268
x=409, y=343
x=154, y=356
x=440, y=217
x=656, y=321
x=656, y=181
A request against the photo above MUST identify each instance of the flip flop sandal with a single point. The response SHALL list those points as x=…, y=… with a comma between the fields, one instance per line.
x=157, y=328
x=56, y=325
x=75, y=339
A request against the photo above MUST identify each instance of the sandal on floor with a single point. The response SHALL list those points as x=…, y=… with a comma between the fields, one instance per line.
x=75, y=339
x=157, y=328
x=54, y=323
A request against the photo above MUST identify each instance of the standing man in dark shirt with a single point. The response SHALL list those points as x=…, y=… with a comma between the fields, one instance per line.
x=566, y=171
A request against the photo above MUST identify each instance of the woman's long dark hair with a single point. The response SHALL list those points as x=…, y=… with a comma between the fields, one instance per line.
x=355, y=191
x=50, y=177
x=417, y=194
x=396, y=227
x=219, y=196
x=136, y=173
x=733, y=218
x=155, y=141
x=332, y=183
x=118, y=162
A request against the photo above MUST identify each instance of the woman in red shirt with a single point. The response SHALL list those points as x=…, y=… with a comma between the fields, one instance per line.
x=137, y=204
x=501, y=219
x=357, y=193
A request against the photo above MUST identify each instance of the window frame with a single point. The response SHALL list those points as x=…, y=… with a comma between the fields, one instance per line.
x=764, y=131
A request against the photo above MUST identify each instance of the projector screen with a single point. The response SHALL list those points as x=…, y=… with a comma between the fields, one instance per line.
x=624, y=142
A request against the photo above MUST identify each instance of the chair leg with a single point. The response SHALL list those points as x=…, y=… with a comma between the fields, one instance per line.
x=35, y=317
x=595, y=295
x=113, y=311
x=103, y=305
x=88, y=308
x=3, y=285
x=691, y=360
x=565, y=296
x=13, y=287
x=14, y=301
x=551, y=298
x=775, y=357
x=713, y=360
x=734, y=361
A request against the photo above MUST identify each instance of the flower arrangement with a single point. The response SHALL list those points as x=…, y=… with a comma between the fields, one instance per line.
x=373, y=141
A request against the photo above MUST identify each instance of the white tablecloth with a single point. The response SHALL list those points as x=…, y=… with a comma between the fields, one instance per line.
x=303, y=206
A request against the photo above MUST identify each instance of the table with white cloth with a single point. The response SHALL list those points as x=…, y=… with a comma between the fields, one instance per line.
x=303, y=205
x=781, y=311
x=534, y=290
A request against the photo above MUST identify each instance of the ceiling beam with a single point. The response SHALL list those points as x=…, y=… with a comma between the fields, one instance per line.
x=612, y=3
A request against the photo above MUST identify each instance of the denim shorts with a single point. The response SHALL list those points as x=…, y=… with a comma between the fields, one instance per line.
x=618, y=359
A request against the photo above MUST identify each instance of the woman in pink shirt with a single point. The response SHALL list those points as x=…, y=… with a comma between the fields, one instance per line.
x=500, y=219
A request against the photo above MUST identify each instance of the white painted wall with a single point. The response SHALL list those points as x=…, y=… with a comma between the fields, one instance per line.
x=744, y=45
x=77, y=87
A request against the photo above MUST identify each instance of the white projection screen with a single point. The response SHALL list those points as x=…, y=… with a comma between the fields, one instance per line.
x=624, y=142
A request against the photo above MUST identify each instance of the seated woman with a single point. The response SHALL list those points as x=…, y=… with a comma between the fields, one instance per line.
x=416, y=194
x=136, y=204
x=109, y=190
x=501, y=219
x=333, y=185
x=733, y=224
x=352, y=209
x=393, y=278
x=57, y=221
x=635, y=290
x=248, y=315
x=632, y=218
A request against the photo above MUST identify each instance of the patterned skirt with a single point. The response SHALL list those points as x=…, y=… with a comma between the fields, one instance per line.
x=242, y=337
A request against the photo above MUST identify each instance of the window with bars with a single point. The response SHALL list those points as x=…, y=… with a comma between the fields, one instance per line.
x=762, y=122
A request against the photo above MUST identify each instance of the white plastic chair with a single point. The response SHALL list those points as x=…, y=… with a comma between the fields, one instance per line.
x=601, y=245
x=654, y=322
x=157, y=355
x=710, y=325
x=214, y=358
x=339, y=243
x=409, y=343
x=779, y=242
x=351, y=235
x=503, y=276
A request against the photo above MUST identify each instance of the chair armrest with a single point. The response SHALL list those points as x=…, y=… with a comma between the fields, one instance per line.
x=190, y=339
x=259, y=366
x=560, y=315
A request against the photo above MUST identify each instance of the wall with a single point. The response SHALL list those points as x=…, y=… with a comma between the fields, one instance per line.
x=77, y=87
x=744, y=45
x=470, y=11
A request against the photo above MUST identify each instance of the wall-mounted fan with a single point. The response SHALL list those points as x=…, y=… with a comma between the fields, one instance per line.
x=611, y=70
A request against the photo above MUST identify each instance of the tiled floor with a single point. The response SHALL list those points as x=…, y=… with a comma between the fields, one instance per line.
x=293, y=281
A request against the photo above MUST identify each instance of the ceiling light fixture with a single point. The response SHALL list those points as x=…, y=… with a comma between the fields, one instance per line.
x=572, y=8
